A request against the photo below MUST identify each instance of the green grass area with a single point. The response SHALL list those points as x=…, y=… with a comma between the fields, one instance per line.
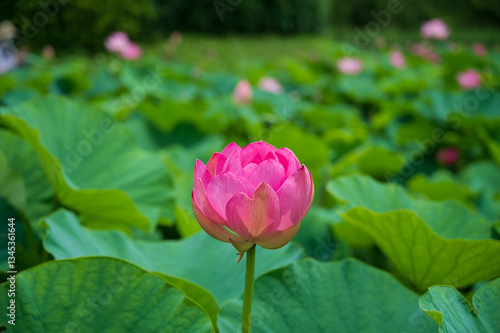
x=233, y=52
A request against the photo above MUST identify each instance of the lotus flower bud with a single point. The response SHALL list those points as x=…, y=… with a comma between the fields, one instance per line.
x=252, y=195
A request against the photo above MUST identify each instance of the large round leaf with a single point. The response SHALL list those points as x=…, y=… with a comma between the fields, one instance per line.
x=347, y=296
x=92, y=162
x=212, y=264
x=423, y=257
x=99, y=295
x=450, y=219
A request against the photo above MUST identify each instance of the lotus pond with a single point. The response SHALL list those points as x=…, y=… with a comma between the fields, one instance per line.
x=97, y=158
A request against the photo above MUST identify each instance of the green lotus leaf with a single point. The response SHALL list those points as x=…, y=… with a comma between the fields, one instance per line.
x=99, y=295
x=93, y=163
x=454, y=313
x=345, y=296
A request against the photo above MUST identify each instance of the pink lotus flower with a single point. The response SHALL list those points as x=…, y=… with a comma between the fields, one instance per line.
x=469, y=79
x=131, y=51
x=349, y=65
x=479, y=49
x=435, y=29
x=271, y=85
x=117, y=41
x=242, y=93
x=397, y=59
x=252, y=195
x=447, y=156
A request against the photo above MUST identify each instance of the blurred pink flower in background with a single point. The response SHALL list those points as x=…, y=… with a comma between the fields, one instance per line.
x=447, y=156
x=349, y=65
x=469, y=79
x=271, y=85
x=435, y=29
x=479, y=49
x=242, y=93
x=420, y=49
x=117, y=41
x=397, y=59
x=131, y=51
x=425, y=51
x=252, y=195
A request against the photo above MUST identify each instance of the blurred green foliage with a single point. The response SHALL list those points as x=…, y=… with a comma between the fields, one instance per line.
x=459, y=13
x=77, y=25
x=223, y=16
x=83, y=24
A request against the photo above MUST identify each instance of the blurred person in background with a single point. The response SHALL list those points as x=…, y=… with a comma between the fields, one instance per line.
x=8, y=52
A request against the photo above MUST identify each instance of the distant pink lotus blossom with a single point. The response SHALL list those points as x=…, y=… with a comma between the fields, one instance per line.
x=435, y=29
x=242, y=93
x=271, y=85
x=117, y=41
x=131, y=52
x=447, y=156
x=420, y=49
x=425, y=51
x=397, y=59
x=349, y=65
x=469, y=79
x=479, y=49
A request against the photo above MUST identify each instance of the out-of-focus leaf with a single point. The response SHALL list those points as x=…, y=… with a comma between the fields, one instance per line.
x=12, y=188
x=372, y=160
x=93, y=163
x=39, y=193
x=440, y=190
x=310, y=150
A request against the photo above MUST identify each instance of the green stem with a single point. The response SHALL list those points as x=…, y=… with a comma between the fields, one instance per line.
x=247, y=296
